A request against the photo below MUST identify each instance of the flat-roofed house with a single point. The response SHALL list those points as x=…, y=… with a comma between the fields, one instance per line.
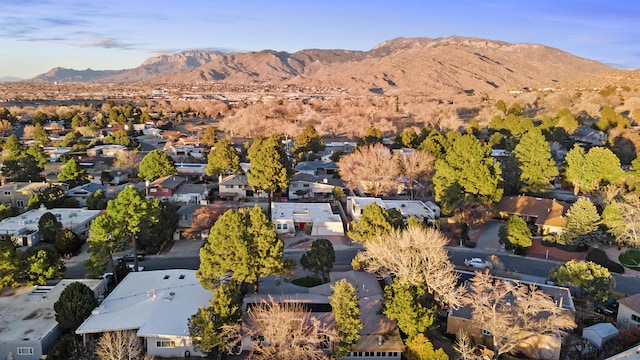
x=28, y=321
x=156, y=305
x=288, y=217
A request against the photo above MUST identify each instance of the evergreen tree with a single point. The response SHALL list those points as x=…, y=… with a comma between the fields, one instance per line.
x=594, y=280
x=222, y=159
x=242, y=242
x=105, y=241
x=97, y=200
x=67, y=242
x=209, y=138
x=408, y=305
x=420, y=348
x=9, y=265
x=374, y=221
x=307, y=144
x=74, y=305
x=534, y=157
x=345, y=309
x=206, y=326
x=467, y=173
x=73, y=174
x=48, y=227
x=21, y=167
x=41, y=263
x=11, y=146
x=270, y=168
x=319, y=258
x=38, y=153
x=587, y=171
x=40, y=136
x=516, y=233
x=156, y=164
x=582, y=219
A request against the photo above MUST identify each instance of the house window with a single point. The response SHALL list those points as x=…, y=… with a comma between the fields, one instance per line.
x=165, y=344
x=292, y=185
x=485, y=332
x=305, y=185
x=635, y=318
x=228, y=186
x=25, y=351
x=20, y=203
x=153, y=190
x=7, y=193
x=285, y=226
x=278, y=226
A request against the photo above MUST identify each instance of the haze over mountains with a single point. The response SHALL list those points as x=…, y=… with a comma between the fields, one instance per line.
x=401, y=65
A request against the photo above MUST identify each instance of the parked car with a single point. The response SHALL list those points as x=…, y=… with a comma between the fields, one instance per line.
x=131, y=267
x=129, y=257
x=478, y=263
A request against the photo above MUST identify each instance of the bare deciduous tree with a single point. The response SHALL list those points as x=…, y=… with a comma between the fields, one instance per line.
x=283, y=331
x=415, y=255
x=370, y=168
x=120, y=345
x=416, y=167
x=126, y=160
x=203, y=219
x=514, y=313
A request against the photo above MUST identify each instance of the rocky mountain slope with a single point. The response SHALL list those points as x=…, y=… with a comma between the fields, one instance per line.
x=414, y=65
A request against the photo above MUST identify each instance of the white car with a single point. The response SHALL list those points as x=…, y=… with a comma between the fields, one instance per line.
x=131, y=267
x=478, y=263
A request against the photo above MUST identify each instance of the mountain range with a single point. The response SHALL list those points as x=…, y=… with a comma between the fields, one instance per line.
x=401, y=65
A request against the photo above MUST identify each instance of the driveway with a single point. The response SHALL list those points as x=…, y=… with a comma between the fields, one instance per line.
x=488, y=239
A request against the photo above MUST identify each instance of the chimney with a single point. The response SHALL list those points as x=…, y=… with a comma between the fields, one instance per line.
x=380, y=340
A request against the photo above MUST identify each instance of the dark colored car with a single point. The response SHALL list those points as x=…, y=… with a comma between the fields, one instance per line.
x=129, y=257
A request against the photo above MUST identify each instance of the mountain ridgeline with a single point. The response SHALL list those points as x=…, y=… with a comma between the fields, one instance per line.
x=402, y=65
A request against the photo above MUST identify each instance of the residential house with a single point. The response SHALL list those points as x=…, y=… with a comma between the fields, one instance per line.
x=192, y=193
x=191, y=171
x=28, y=321
x=183, y=150
x=427, y=212
x=545, y=346
x=630, y=354
x=629, y=312
x=379, y=336
x=289, y=217
x=185, y=219
x=588, y=136
x=24, y=231
x=546, y=214
x=236, y=187
x=164, y=187
x=82, y=192
x=110, y=150
x=156, y=305
x=304, y=185
x=19, y=193
x=317, y=168
x=54, y=153
x=114, y=191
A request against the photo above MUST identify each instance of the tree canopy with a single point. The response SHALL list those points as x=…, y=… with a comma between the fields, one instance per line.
x=516, y=233
x=407, y=304
x=156, y=164
x=222, y=159
x=588, y=170
x=270, y=168
x=467, y=173
x=73, y=174
x=48, y=227
x=242, y=242
x=307, y=145
x=582, y=219
x=345, y=308
x=74, y=306
x=320, y=257
x=371, y=169
x=206, y=326
x=374, y=221
x=594, y=280
x=536, y=164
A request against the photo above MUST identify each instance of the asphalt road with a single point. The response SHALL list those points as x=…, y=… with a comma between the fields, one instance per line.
x=538, y=268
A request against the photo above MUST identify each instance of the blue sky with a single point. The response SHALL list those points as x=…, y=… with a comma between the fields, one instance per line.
x=37, y=35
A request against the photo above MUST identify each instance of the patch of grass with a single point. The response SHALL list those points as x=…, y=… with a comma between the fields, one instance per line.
x=630, y=259
x=309, y=281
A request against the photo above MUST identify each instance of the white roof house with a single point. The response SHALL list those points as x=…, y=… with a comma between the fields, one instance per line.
x=28, y=322
x=23, y=229
x=423, y=211
x=291, y=216
x=155, y=304
x=599, y=334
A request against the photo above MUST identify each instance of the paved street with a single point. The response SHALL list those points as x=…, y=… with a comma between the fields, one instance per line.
x=184, y=254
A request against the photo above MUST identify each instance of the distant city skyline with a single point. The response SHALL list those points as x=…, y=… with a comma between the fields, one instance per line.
x=38, y=35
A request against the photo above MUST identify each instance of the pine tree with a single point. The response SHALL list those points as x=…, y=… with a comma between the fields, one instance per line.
x=534, y=157
x=73, y=174
x=516, y=233
x=319, y=258
x=345, y=309
x=222, y=159
x=74, y=305
x=156, y=164
x=582, y=219
x=270, y=168
x=307, y=144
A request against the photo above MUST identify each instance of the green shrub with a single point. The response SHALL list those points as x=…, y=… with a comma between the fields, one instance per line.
x=548, y=241
x=600, y=257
